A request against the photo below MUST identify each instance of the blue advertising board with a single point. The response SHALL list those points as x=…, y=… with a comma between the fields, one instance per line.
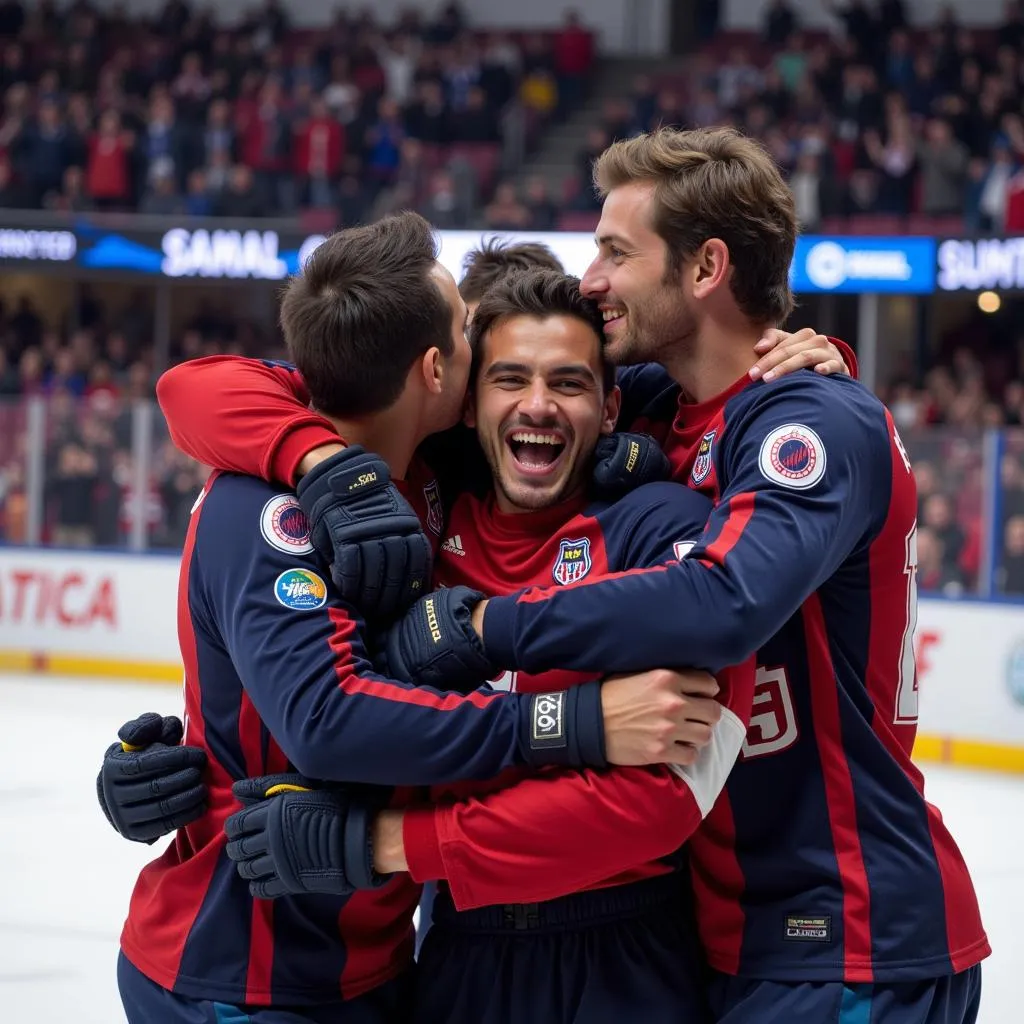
x=856, y=265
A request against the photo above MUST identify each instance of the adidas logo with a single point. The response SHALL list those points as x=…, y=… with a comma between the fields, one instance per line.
x=453, y=545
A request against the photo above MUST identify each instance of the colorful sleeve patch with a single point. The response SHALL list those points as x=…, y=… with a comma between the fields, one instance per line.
x=792, y=455
x=284, y=525
x=301, y=590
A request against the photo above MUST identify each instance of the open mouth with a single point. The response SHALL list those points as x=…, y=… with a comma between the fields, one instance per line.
x=612, y=316
x=535, y=452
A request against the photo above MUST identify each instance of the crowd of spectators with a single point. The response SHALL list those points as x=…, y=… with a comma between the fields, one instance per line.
x=881, y=127
x=176, y=115
x=93, y=381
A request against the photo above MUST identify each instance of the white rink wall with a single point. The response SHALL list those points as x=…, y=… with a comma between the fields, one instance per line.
x=111, y=615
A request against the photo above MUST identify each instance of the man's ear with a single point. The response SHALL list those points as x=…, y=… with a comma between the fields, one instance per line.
x=432, y=370
x=709, y=268
x=610, y=412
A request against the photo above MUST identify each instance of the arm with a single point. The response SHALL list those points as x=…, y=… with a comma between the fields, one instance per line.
x=542, y=838
x=560, y=832
x=779, y=354
x=767, y=547
x=244, y=415
x=299, y=654
x=557, y=833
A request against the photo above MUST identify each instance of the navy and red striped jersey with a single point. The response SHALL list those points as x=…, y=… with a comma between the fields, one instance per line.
x=528, y=837
x=277, y=679
x=823, y=859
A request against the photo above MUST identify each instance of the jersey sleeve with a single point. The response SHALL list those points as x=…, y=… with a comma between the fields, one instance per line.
x=562, y=831
x=299, y=654
x=807, y=466
x=549, y=835
x=243, y=415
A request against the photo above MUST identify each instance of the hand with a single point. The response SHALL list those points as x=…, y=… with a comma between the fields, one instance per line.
x=623, y=462
x=658, y=717
x=289, y=839
x=435, y=644
x=149, y=786
x=782, y=353
x=380, y=557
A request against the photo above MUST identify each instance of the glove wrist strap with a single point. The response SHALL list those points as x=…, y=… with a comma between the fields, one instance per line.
x=565, y=728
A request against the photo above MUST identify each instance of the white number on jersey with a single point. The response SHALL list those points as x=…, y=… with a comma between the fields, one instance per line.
x=906, y=691
x=773, y=720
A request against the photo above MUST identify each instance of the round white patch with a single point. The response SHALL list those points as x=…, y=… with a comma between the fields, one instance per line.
x=793, y=456
x=284, y=525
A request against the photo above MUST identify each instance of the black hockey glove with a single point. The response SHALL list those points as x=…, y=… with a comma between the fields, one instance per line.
x=149, y=786
x=291, y=840
x=434, y=643
x=379, y=555
x=623, y=462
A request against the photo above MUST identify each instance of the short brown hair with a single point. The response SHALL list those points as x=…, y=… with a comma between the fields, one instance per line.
x=495, y=258
x=362, y=310
x=540, y=293
x=715, y=183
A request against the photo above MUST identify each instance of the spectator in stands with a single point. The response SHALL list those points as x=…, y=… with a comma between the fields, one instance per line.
x=319, y=152
x=242, y=199
x=505, y=212
x=573, y=57
x=894, y=162
x=1011, y=570
x=161, y=197
x=71, y=492
x=476, y=123
x=442, y=205
x=934, y=570
x=943, y=161
x=537, y=200
x=805, y=181
x=383, y=142
x=108, y=174
x=47, y=146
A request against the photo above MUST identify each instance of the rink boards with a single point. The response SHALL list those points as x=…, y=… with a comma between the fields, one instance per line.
x=106, y=615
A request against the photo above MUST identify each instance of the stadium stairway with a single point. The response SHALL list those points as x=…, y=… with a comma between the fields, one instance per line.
x=556, y=159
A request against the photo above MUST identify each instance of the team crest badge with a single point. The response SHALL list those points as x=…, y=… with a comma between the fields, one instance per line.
x=284, y=525
x=793, y=456
x=435, y=511
x=702, y=464
x=573, y=562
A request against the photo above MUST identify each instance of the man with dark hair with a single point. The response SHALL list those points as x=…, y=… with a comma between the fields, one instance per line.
x=495, y=259
x=278, y=680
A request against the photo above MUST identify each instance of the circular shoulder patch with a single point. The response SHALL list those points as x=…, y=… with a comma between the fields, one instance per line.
x=301, y=590
x=284, y=525
x=793, y=456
